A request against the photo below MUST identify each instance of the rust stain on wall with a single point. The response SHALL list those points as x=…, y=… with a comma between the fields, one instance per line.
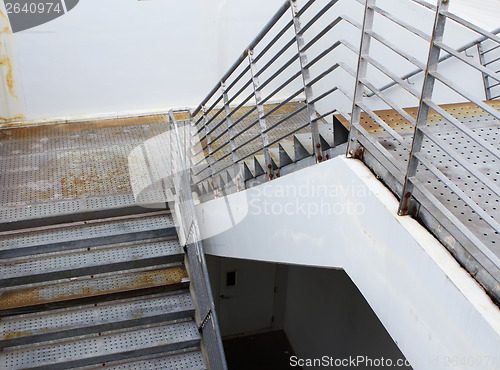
x=9, y=80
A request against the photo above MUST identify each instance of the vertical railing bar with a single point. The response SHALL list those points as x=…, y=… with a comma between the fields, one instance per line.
x=306, y=79
x=353, y=145
x=487, y=91
x=407, y=204
x=260, y=112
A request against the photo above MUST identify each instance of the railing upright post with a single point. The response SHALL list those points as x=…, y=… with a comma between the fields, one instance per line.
x=354, y=148
x=306, y=79
x=407, y=204
x=487, y=91
x=230, y=134
x=260, y=112
x=208, y=140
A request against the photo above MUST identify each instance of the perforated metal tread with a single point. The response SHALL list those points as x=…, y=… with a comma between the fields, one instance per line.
x=98, y=349
x=95, y=318
x=91, y=286
x=86, y=234
x=88, y=261
x=191, y=360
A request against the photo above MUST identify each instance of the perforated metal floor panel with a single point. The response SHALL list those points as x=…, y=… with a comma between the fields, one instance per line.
x=66, y=168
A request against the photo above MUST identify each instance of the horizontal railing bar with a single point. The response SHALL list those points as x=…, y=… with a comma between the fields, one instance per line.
x=250, y=111
x=275, y=91
x=455, y=88
x=346, y=68
x=473, y=27
x=288, y=134
x=305, y=7
x=325, y=94
x=322, y=54
x=322, y=75
x=246, y=142
x=388, y=101
x=250, y=154
x=238, y=93
x=365, y=138
x=496, y=96
x=279, y=71
x=318, y=15
x=385, y=126
x=493, y=48
x=245, y=129
x=441, y=59
x=219, y=148
x=324, y=115
x=455, y=122
x=238, y=107
x=321, y=34
x=491, y=61
x=395, y=49
x=245, y=70
x=205, y=125
x=284, y=119
x=273, y=41
x=494, y=85
x=464, y=197
x=466, y=60
x=425, y=4
x=461, y=160
x=391, y=75
x=223, y=119
x=276, y=56
x=454, y=220
x=224, y=131
x=258, y=38
x=298, y=92
x=401, y=23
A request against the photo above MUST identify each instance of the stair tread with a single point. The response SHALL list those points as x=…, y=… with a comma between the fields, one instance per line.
x=85, y=230
x=192, y=360
x=92, y=349
x=91, y=257
x=69, y=319
x=91, y=286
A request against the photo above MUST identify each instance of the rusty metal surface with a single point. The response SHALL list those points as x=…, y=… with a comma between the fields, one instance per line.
x=91, y=286
x=467, y=112
x=47, y=165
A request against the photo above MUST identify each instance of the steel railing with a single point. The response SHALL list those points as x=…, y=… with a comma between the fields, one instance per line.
x=299, y=54
x=189, y=236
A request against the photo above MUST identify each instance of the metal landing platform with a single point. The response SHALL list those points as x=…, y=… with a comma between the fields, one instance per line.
x=58, y=169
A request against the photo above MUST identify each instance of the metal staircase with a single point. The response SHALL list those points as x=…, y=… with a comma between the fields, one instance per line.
x=97, y=293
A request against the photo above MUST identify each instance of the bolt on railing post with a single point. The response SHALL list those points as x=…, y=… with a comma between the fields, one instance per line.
x=487, y=91
x=408, y=204
x=260, y=112
x=209, y=148
x=306, y=79
x=354, y=148
x=230, y=135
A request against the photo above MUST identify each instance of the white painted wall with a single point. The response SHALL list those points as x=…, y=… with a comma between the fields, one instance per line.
x=429, y=305
x=119, y=57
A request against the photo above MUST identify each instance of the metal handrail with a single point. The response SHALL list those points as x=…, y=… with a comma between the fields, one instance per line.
x=189, y=236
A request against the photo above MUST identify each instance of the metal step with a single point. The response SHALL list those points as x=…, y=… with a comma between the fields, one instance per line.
x=99, y=318
x=192, y=360
x=89, y=261
x=86, y=234
x=87, y=289
x=99, y=349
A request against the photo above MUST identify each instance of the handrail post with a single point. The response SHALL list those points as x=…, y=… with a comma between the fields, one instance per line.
x=306, y=78
x=354, y=148
x=260, y=112
x=407, y=203
x=487, y=90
